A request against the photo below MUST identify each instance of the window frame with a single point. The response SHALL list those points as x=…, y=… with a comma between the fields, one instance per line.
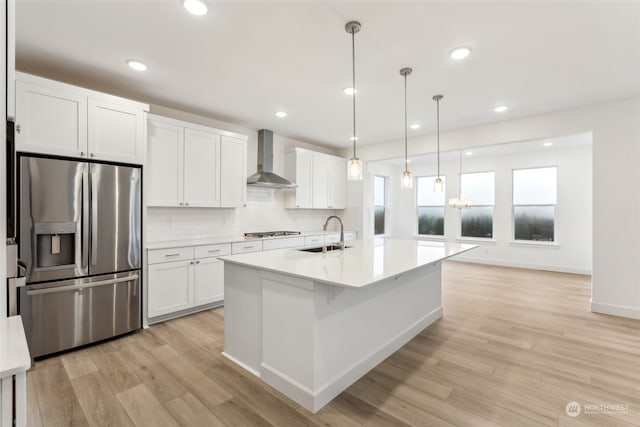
x=385, y=205
x=418, y=206
x=492, y=206
x=522, y=242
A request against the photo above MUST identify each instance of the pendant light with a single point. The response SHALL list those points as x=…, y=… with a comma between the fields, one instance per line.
x=438, y=185
x=354, y=168
x=406, y=180
x=459, y=202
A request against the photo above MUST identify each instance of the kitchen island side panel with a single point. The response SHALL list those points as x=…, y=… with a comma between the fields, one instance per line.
x=317, y=343
x=243, y=316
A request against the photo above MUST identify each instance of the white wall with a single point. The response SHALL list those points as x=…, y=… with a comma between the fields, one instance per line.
x=265, y=207
x=616, y=194
x=572, y=253
x=3, y=162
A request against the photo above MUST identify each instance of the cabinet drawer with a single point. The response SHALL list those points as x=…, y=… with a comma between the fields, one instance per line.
x=287, y=242
x=333, y=238
x=156, y=256
x=244, y=247
x=314, y=240
x=213, y=250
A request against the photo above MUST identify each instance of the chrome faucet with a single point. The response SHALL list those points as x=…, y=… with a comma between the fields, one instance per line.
x=341, y=230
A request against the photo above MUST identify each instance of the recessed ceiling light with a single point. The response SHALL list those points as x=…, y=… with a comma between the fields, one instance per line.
x=501, y=108
x=137, y=65
x=408, y=160
x=353, y=138
x=548, y=144
x=468, y=153
x=460, y=52
x=281, y=114
x=415, y=125
x=349, y=90
x=197, y=7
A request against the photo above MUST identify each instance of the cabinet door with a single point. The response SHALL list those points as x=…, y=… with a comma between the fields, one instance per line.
x=337, y=191
x=170, y=287
x=163, y=171
x=209, y=281
x=304, y=167
x=233, y=172
x=116, y=132
x=319, y=181
x=201, y=168
x=50, y=121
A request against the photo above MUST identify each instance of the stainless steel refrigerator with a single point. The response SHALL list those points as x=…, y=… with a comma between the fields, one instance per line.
x=79, y=240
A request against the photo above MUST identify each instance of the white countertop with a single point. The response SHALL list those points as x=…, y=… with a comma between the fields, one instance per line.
x=365, y=263
x=14, y=352
x=228, y=239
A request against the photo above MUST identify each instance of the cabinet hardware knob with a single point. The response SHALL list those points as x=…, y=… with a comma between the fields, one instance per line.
x=18, y=128
x=181, y=203
x=186, y=204
x=93, y=154
x=191, y=263
x=82, y=153
x=197, y=262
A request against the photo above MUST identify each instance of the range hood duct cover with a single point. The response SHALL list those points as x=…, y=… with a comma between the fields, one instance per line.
x=265, y=176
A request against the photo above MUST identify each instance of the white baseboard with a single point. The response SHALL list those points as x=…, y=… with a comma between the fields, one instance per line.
x=242, y=365
x=530, y=266
x=615, y=310
x=314, y=400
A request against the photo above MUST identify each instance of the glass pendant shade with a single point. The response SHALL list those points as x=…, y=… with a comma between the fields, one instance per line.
x=406, y=180
x=438, y=185
x=354, y=169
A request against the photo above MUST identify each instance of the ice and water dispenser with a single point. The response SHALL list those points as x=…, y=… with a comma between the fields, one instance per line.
x=55, y=244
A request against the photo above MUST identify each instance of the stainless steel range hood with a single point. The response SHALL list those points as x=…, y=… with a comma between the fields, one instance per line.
x=265, y=176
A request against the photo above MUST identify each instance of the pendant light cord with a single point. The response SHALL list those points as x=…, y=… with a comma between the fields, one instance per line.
x=406, y=162
x=438, y=124
x=353, y=63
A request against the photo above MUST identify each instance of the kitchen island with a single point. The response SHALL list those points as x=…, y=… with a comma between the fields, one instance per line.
x=310, y=324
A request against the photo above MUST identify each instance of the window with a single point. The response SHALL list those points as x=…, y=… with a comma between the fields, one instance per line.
x=534, y=203
x=379, y=204
x=430, y=207
x=477, y=221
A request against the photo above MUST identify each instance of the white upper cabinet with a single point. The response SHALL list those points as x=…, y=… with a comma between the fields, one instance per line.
x=233, y=172
x=116, y=132
x=201, y=168
x=65, y=120
x=194, y=166
x=337, y=191
x=299, y=169
x=321, y=180
x=163, y=170
x=50, y=121
x=11, y=59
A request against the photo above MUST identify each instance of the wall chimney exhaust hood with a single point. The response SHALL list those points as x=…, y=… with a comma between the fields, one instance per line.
x=265, y=176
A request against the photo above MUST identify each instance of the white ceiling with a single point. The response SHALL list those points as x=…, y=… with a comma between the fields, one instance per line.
x=246, y=59
x=523, y=148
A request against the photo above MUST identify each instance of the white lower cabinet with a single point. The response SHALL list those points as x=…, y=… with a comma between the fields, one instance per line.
x=208, y=281
x=170, y=287
x=194, y=279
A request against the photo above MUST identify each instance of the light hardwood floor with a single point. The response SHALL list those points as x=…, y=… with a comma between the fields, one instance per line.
x=513, y=348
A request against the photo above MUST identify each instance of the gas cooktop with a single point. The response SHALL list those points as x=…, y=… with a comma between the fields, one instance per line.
x=261, y=234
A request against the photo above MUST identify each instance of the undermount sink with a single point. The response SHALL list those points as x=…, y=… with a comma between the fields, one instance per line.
x=323, y=248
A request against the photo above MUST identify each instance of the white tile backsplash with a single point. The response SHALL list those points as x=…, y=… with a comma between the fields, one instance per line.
x=264, y=211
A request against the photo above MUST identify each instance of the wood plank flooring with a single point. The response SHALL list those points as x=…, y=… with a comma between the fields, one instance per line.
x=513, y=348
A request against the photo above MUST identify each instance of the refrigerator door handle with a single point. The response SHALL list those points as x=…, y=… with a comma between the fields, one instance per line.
x=85, y=218
x=82, y=285
x=94, y=219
